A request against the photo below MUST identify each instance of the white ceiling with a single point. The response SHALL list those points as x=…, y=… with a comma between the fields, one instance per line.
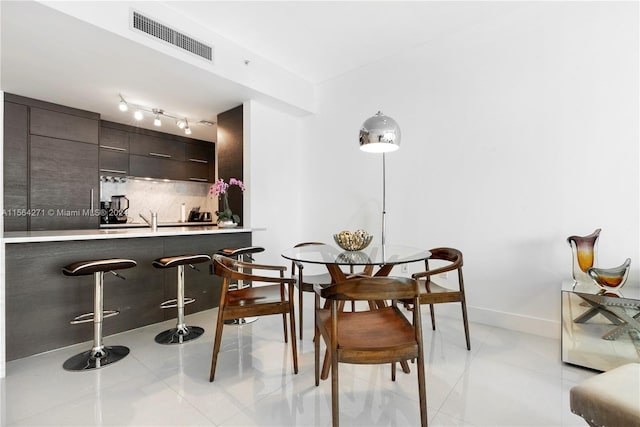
x=50, y=56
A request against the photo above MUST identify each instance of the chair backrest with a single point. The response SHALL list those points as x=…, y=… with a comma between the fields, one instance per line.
x=232, y=269
x=297, y=264
x=372, y=288
x=452, y=255
x=308, y=244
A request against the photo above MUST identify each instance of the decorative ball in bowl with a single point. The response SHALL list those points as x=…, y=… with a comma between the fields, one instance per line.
x=353, y=240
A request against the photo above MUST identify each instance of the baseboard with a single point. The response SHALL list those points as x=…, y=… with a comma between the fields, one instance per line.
x=516, y=322
x=500, y=319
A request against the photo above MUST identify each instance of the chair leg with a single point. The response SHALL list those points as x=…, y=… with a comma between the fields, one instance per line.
x=300, y=308
x=216, y=346
x=294, y=344
x=316, y=356
x=433, y=317
x=422, y=391
x=466, y=324
x=335, y=411
x=316, y=340
x=284, y=316
x=393, y=371
x=284, y=327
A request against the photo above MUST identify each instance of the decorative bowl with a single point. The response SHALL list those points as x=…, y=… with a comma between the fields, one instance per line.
x=610, y=279
x=353, y=240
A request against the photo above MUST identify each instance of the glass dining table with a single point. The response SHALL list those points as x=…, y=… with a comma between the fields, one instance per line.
x=384, y=257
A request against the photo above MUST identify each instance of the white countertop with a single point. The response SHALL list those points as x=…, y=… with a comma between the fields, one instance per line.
x=113, y=233
x=160, y=224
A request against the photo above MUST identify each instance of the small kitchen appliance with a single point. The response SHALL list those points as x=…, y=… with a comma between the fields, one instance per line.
x=118, y=210
x=196, y=216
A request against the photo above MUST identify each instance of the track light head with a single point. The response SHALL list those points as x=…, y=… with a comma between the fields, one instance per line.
x=123, y=104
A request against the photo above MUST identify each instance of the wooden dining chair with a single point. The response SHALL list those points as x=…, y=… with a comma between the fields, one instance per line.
x=276, y=297
x=433, y=293
x=369, y=337
x=305, y=283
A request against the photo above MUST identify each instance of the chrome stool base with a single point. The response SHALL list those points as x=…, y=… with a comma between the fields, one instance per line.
x=178, y=336
x=88, y=360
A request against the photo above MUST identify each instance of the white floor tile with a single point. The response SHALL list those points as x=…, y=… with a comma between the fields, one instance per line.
x=507, y=379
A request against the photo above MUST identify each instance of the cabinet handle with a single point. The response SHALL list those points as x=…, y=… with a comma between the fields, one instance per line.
x=198, y=161
x=113, y=171
x=165, y=156
x=199, y=179
x=108, y=147
x=91, y=192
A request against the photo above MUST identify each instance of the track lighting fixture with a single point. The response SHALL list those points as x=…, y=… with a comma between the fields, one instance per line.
x=156, y=120
x=123, y=104
x=140, y=110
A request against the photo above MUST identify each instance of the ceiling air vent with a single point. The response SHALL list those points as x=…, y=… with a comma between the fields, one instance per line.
x=171, y=36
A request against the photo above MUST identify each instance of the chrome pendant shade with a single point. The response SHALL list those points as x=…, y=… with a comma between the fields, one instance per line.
x=379, y=134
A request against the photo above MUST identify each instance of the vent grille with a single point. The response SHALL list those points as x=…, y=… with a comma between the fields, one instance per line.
x=171, y=36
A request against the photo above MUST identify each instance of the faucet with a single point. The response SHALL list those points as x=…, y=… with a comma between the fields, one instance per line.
x=154, y=220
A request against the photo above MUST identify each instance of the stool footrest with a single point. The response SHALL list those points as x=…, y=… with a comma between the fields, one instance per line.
x=172, y=303
x=89, y=317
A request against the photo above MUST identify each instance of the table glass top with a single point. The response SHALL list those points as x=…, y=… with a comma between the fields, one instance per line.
x=630, y=291
x=372, y=255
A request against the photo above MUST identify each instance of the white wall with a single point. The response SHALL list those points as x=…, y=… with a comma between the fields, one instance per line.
x=517, y=133
x=272, y=173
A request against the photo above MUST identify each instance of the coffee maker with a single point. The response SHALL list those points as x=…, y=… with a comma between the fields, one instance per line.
x=115, y=211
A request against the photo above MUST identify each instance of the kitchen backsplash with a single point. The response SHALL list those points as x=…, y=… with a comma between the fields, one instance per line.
x=165, y=198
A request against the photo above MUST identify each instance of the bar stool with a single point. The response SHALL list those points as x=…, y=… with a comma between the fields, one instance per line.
x=241, y=254
x=99, y=355
x=181, y=332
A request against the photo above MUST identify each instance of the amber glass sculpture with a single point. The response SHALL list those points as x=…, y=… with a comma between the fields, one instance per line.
x=610, y=279
x=584, y=255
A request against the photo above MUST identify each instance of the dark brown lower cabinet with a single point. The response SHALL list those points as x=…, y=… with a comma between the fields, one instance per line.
x=40, y=300
x=63, y=184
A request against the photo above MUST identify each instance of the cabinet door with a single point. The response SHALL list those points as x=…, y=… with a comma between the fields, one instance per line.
x=63, y=184
x=199, y=172
x=63, y=126
x=151, y=167
x=114, y=139
x=153, y=146
x=200, y=161
x=114, y=163
x=15, y=166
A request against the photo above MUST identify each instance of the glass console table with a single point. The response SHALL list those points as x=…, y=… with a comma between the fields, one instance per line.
x=600, y=332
